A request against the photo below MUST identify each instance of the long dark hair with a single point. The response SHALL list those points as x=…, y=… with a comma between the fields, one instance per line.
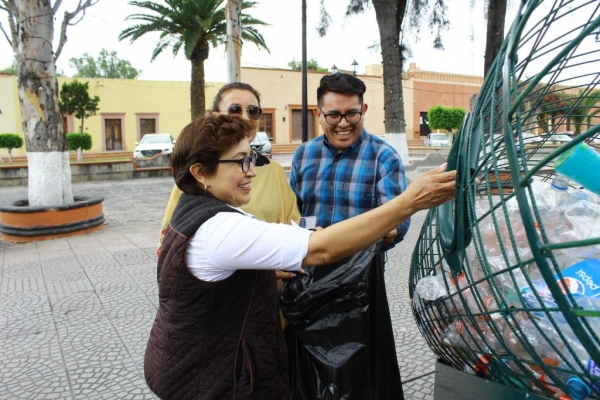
x=231, y=86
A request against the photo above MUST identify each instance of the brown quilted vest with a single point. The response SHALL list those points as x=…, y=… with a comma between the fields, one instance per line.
x=213, y=340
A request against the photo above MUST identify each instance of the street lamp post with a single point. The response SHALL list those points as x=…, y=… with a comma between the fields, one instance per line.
x=354, y=64
x=334, y=69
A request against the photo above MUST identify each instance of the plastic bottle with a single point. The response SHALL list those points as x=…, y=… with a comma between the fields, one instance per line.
x=463, y=335
x=556, y=359
x=441, y=284
x=554, y=196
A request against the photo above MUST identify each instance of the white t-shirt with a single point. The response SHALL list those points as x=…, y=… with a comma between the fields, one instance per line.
x=230, y=241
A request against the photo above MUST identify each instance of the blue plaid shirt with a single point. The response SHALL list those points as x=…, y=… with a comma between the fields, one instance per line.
x=336, y=186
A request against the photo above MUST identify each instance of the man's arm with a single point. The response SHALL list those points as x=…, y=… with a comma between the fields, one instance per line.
x=294, y=179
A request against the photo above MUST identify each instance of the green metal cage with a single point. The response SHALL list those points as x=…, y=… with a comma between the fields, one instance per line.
x=502, y=278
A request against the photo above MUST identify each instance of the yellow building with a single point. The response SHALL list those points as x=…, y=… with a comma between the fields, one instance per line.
x=131, y=108
x=128, y=110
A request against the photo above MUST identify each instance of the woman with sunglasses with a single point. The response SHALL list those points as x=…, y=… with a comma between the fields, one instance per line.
x=272, y=198
x=216, y=334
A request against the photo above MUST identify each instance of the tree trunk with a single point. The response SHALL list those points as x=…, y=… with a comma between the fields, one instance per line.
x=79, y=149
x=495, y=31
x=45, y=141
x=389, y=14
x=197, y=92
x=234, y=40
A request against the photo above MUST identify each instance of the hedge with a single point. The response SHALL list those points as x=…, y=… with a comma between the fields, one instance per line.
x=10, y=141
x=77, y=140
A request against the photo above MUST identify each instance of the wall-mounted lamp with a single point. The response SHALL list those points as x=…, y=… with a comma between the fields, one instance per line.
x=354, y=64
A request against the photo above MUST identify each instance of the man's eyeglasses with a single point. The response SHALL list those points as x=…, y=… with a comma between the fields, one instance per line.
x=352, y=117
x=243, y=162
x=254, y=112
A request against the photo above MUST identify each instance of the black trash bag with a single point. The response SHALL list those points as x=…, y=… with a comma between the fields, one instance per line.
x=339, y=332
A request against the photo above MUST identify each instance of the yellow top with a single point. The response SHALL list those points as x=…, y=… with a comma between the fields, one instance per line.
x=271, y=199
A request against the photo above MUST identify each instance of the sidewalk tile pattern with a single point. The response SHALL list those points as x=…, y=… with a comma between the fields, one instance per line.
x=75, y=313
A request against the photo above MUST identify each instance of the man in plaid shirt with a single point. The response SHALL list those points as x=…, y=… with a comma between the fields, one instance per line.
x=346, y=171
x=344, y=346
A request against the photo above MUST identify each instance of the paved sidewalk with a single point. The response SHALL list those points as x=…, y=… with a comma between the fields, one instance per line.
x=75, y=313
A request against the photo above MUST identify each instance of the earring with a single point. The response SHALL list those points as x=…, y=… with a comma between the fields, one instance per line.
x=205, y=187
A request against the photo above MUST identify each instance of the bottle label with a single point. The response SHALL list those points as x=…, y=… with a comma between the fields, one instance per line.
x=594, y=371
x=580, y=279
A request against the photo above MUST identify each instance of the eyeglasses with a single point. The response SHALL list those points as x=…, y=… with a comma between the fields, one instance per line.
x=243, y=162
x=254, y=112
x=352, y=117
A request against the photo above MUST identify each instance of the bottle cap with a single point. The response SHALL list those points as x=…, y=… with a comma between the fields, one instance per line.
x=578, y=389
x=560, y=183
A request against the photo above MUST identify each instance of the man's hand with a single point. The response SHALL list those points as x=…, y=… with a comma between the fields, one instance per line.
x=389, y=238
x=279, y=274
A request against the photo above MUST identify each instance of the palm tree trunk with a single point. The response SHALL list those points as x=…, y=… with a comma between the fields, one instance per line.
x=47, y=152
x=197, y=100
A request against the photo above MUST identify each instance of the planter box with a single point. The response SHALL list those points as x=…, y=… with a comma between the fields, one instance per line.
x=21, y=223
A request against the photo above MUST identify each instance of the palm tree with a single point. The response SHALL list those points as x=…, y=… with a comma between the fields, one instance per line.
x=582, y=108
x=193, y=25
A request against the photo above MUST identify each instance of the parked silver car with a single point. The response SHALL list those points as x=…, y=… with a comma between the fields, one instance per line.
x=153, y=144
x=262, y=144
x=436, y=140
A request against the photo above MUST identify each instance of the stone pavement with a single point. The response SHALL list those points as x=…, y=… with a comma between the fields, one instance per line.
x=75, y=313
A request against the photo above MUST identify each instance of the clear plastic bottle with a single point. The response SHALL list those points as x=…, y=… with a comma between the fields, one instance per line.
x=553, y=196
x=557, y=360
x=463, y=335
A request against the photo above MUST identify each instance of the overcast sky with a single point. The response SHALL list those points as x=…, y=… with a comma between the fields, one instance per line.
x=348, y=40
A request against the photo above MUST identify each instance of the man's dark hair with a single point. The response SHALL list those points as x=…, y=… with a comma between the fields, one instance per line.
x=231, y=86
x=340, y=83
x=204, y=141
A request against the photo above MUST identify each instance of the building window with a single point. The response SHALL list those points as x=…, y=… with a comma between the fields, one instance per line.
x=69, y=124
x=147, y=123
x=296, y=128
x=266, y=122
x=113, y=132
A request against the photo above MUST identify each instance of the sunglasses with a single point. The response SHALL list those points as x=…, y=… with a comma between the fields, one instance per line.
x=254, y=112
x=243, y=162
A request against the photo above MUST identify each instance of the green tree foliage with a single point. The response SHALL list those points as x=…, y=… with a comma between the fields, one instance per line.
x=445, y=117
x=192, y=26
x=390, y=16
x=79, y=140
x=76, y=100
x=10, y=141
x=107, y=65
x=311, y=65
x=10, y=70
x=580, y=109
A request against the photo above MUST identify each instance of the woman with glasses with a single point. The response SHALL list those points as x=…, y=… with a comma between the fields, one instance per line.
x=216, y=334
x=272, y=198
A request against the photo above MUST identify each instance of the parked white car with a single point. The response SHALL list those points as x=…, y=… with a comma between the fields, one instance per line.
x=153, y=144
x=262, y=144
x=436, y=140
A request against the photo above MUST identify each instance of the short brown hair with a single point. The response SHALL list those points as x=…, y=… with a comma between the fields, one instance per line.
x=204, y=141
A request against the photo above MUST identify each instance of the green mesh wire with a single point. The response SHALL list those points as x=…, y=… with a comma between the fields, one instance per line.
x=489, y=250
